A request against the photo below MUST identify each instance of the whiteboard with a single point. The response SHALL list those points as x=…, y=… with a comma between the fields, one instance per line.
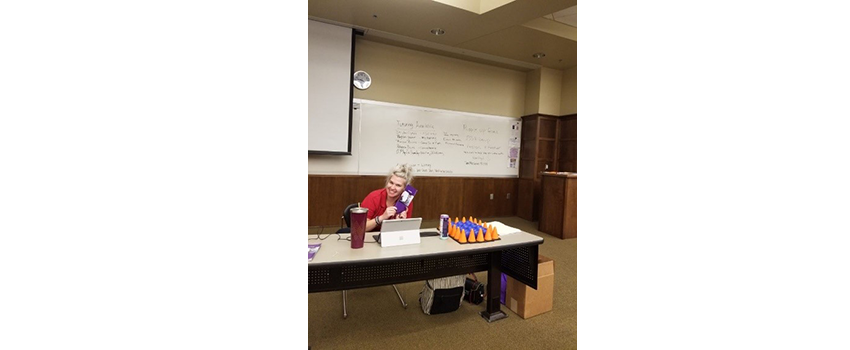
x=436, y=142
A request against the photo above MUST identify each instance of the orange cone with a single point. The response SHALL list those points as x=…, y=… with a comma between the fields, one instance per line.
x=480, y=237
x=464, y=219
x=488, y=236
x=462, y=238
x=495, y=234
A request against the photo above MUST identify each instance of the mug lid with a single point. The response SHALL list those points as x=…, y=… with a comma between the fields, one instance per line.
x=359, y=210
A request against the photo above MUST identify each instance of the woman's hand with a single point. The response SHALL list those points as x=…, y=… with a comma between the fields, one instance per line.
x=403, y=215
x=389, y=213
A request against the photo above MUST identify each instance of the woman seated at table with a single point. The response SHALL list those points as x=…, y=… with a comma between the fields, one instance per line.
x=381, y=202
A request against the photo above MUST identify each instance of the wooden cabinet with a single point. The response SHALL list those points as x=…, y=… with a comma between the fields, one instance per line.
x=538, y=152
x=558, y=205
x=567, y=144
x=548, y=143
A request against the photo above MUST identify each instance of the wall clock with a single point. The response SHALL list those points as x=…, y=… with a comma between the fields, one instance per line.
x=362, y=80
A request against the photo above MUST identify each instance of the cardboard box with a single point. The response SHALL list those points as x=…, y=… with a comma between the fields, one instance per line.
x=528, y=302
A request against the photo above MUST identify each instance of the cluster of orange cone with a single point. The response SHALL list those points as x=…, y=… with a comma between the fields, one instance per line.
x=458, y=234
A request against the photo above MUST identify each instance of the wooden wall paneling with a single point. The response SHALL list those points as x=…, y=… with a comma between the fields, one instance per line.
x=525, y=199
x=567, y=142
x=552, y=205
x=535, y=206
x=327, y=198
x=546, y=151
x=476, y=197
x=547, y=127
x=571, y=130
x=527, y=168
x=556, y=166
x=504, y=202
x=571, y=139
x=438, y=195
x=365, y=184
x=456, y=196
x=571, y=163
x=571, y=215
x=563, y=156
x=541, y=166
x=567, y=156
x=529, y=127
x=528, y=149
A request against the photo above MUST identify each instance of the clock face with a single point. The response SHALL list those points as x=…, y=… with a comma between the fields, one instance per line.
x=362, y=80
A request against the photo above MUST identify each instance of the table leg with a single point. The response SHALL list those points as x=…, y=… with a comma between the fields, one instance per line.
x=494, y=281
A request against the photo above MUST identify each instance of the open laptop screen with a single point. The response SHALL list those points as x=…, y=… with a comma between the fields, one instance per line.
x=398, y=225
x=401, y=225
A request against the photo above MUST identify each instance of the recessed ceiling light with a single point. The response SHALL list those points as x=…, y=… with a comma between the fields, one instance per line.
x=438, y=31
x=539, y=55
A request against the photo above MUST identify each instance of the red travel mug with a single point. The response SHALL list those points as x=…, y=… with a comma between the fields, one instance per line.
x=358, y=227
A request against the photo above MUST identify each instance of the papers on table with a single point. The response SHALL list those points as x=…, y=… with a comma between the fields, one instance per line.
x=503, y=229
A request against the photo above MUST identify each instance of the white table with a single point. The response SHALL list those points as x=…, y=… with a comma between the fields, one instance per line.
x=336, y=266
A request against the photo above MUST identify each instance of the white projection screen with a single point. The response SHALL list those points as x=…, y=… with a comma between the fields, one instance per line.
x=331, y=61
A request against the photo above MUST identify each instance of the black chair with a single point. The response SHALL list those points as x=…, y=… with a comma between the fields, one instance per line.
x=346, y=221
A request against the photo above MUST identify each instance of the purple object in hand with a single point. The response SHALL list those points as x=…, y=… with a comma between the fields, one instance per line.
x=405, y=199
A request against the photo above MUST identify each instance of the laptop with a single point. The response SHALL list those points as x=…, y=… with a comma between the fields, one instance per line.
x=399, y=232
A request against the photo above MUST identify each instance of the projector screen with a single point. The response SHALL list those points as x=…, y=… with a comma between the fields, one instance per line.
x=330, y=70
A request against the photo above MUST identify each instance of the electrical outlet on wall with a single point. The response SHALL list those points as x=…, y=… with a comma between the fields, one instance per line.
x=509, y=195
x=491, y=196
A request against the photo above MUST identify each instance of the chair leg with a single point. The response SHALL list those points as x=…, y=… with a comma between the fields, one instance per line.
x=344, y=312
x=399, y=297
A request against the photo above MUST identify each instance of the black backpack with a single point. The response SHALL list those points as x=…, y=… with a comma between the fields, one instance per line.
x=442, y=295
x=474, y=291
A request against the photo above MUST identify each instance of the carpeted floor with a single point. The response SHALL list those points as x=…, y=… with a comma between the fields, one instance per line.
x=377, y=320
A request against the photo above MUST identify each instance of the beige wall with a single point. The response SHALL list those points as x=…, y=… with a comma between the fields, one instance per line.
x=545, y=92
x=569, y=92
x=417, y=78
x=532, y=92
x=550, y=91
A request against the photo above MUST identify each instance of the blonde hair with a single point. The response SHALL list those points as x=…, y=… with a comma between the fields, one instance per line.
x=403, y=171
